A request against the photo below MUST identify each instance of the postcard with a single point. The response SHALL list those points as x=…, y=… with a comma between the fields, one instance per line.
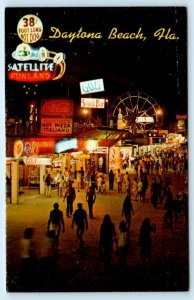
x=96, y=102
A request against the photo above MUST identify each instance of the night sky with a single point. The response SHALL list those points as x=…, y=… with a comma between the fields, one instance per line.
x=155, y=67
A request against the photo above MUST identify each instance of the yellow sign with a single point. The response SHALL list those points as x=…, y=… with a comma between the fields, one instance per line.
x=30, y=29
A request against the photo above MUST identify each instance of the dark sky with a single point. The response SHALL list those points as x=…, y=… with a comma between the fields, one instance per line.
x=156, y=67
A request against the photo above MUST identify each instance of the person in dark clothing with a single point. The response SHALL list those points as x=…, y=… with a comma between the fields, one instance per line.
x=107, y=236
x=48, y=185
x=70, y=196
x=169, y=209
x=123, y=244
x=54, y=223
x=82, y=172
x=145, y=240
x=111, y=180
x=81, y=221
x=90, y=198
x=144, y=187
x=154, y=192
x=48, y=272
x=28, y=260
x=93, y=180
x=160, y=183
x=127, y=209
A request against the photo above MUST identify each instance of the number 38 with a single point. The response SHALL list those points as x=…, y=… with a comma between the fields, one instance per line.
x=29, y=22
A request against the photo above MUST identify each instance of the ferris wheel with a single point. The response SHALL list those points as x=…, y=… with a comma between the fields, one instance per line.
x=135, y=111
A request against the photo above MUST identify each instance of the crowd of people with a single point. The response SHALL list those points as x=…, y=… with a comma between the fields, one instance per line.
x=134, y=187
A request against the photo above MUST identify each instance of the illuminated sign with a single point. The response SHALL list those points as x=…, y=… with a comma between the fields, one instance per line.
x=57, y=107
x=39, y=71
x=65, y=145
x=29, y=28
x=101, y=150
x=37, y=161
x=92, y=86
x=91, y=145
x=144, y=120
x=18, y=148
x=56, y=116
x=56, y=126
x=181, y=117
x=92, y=103
x=34, y=146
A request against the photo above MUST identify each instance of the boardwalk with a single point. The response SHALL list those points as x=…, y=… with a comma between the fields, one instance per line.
x=84, y=271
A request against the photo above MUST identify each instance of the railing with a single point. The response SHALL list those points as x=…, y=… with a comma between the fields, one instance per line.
x=14, y=128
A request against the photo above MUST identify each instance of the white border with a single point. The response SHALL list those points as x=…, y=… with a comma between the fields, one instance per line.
x=103, y=3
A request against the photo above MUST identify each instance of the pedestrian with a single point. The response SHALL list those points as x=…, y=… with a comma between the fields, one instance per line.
x=169, y=209
x=48, y=185
x=90, y=198
x=70, y=196
x=119, y=181
x=160, y=184
x=139, y=190
x=127, y=181
x=123, y=244
x=107, y=238
x=48, y=262
x=135, y=188
x=60, y=182
x=28, y=260
x=66, y=177
x=81, y=221
x=44, y=179
x=54, y=223
x=145, y=240
x=154, y=192
x=127, y=209
x=111, y=180
x=99, y=183
x=82, y=172
x=93, y=180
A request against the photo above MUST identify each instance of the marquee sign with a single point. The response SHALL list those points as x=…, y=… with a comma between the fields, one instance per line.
x=92, y=103
x=56, y=116
x=56, y=126
x=33, y=146
x=57, y=107
x=92, y=86
x=144, y=120
x=30, y=28
x=49, y=65
x=66, y=145
x=37, y=161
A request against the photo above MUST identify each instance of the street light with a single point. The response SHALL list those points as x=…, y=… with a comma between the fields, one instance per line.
x=159, y=116
x=87, y=112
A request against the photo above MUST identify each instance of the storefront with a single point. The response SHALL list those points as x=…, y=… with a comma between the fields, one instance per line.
x=27, y=160
x=98, y=149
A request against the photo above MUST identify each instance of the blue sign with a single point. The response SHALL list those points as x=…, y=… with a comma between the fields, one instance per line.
x=92, y=86
x=65, y=145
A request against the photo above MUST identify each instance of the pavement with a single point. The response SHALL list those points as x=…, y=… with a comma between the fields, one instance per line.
x=84, y=271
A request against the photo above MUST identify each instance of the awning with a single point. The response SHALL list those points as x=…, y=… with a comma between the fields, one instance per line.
x=105, y=138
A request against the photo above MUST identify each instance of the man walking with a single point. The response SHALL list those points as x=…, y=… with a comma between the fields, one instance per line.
x=54, y=223
x=70, y=196
x=80, y=219
x=90, y=198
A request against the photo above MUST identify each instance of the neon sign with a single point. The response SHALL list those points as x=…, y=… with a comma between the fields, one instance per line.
x=92, y=86
x=144, y=120
x=92, y=103
x=30, y=30
x=65, y=145
x=42, y=70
